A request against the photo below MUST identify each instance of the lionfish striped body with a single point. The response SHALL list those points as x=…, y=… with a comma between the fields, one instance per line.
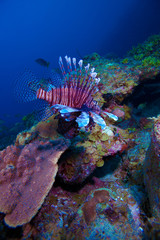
x=68, y=96
x=72, y=98
x=76, y=91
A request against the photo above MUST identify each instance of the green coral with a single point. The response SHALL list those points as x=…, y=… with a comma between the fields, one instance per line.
x=150, y=47
x=146, y=56
x=151, y=62
x=125, y=60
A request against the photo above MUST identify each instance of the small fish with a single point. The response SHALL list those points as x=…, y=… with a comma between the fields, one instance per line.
x=42, y=62
x=71, y=95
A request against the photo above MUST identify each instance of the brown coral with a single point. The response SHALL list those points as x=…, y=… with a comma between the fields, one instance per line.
x=47, y=129
x=26, y=176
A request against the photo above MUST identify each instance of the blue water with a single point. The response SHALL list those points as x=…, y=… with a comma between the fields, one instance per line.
x=47, y=29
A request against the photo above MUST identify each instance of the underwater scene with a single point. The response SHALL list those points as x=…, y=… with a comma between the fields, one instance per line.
x=80, y=120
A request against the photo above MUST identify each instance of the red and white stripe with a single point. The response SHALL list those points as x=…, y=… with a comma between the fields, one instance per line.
x=76, y=92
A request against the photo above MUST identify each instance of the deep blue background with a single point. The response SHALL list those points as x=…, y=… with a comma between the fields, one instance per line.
x=30, y=29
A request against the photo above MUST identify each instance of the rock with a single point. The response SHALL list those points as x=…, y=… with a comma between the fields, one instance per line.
x=152, y=171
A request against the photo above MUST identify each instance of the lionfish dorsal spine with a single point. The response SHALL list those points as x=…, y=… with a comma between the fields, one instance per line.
x=62, y=67
x=78, y=86
x=68, y=61
x=80, y=63
x=74, y=63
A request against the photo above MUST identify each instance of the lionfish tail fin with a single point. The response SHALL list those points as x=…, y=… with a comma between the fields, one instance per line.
x=26, y=86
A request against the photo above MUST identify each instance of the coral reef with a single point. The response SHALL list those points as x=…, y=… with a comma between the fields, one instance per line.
x=116, y=78
x=26, y=176
x=120, y=77
x=91, y=151
x=147, y=54
x=152, y=171
x=99, y=209
x=107, y=213
x=107, y=184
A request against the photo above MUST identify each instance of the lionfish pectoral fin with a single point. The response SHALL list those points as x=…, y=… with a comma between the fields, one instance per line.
x=98, y=119
x=83, y=119
x=55, y=78
x=111, y=115
x=68, y=113
x=43, y=111
x=25, y=86
x=64, y=109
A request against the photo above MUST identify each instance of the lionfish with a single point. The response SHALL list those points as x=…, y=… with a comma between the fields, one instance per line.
x=71, y=96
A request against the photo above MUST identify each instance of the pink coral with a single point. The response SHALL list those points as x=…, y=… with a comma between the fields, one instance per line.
x=26, y=176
